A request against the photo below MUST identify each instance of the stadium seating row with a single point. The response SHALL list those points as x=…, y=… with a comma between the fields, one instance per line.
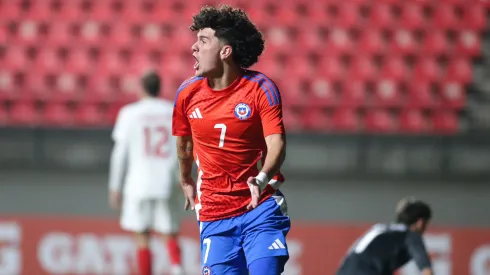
x=407, y=14
x=313, y=119
x=357, y=65
x=280, y=40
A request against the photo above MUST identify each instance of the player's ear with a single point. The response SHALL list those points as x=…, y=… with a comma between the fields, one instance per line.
x=226, y=51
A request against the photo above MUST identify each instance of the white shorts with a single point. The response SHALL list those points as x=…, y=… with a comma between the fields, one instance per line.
x=140, y=215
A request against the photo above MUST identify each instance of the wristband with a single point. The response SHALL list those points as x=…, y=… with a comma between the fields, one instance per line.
x=262, y=180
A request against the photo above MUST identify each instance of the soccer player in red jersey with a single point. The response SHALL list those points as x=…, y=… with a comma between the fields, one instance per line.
x=229, y=120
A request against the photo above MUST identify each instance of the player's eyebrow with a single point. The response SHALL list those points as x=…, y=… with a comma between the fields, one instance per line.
x=200, y=36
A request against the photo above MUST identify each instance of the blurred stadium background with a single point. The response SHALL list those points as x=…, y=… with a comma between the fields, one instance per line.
x=382, y=99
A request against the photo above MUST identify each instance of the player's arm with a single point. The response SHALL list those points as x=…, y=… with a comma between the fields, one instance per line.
x=276, y=154
x=185, y=155
x=419, y=254
x=182, y=130
x=270, y=110
x=118, y=158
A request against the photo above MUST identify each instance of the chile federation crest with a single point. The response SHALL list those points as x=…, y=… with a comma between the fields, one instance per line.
x=242, y=111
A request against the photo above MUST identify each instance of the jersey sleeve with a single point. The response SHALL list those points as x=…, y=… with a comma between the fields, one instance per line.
x=416, y=249
x=270, y=108
x=122, y=126
x=180, y=122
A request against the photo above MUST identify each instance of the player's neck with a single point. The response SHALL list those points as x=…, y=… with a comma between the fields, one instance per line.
x=225, y=79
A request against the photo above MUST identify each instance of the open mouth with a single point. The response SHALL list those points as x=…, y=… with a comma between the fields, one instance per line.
x=196, y=65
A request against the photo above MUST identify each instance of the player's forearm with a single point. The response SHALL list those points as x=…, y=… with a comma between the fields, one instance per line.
x=185, y=153
x=276, y=154
x=118, y=161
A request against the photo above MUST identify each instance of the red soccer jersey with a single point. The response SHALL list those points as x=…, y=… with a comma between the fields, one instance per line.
x=228, y=128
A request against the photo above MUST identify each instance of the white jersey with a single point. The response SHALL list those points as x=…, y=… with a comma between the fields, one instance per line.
x=143, y=132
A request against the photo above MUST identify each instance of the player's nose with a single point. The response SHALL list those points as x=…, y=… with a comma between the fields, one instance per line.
x=194, y=47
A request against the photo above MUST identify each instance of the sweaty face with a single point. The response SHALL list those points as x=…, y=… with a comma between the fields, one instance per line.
x=206, y=51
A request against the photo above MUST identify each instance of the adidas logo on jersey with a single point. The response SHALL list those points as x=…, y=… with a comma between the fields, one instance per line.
x=277, y=244
x=196, y=114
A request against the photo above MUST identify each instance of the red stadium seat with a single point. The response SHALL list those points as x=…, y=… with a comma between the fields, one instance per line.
x=353, y=94
x=371, y=42
x=348, y=15
x=322, y=93
x=412, y=16
x=394, y=68
x=27, y=33
x=379, y=121
x=90, y=115
x=133, y=12
x=420, y=95
x=312, y=38
x=121, y=34
x=292, y=120
x=287, y=13
x=24, y=114
x=331, y=68
x=468, y=44
x=319, y=13
x=60, y=34
x=412, y=121
x=78, y=61
x=110, y=62
x=435, y=43
x=403, y=43
x=387, y=93
x=346, y=120
x=3, y=35
x=340, y=42
x=15, y=59
x=426, y=70
x=7, y=86
x=300, y=66
x=453, y=95
x=315, y=119
x=100, y=88
x=294, y=91
x=37, y=86
x=445, y=122
x=445, y=17
x=91, y=34
x=11, y=11
x=152, y=37
x=459, y=70
x=474, y=16
x=382, y=16
x=66, y=88
x=39, y=11
x=71, y=11
x=48, y=61
x=363, y=69
x=102, y=11
x=57, y=114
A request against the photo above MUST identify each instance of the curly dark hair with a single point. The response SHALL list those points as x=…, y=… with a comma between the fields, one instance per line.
x=233, y=26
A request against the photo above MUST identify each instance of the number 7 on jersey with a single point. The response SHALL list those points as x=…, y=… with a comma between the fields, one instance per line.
x=222, y=135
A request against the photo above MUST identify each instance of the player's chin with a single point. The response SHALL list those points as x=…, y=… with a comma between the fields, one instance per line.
x=198, y=73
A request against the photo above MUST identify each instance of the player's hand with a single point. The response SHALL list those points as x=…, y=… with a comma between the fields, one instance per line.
x=189, y=188
x=254, y=191
x=115, y=199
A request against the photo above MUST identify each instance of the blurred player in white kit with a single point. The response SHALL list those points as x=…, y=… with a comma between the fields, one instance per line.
x=144, y=158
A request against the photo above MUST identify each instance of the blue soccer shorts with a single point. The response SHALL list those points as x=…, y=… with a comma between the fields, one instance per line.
x=230, y=245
